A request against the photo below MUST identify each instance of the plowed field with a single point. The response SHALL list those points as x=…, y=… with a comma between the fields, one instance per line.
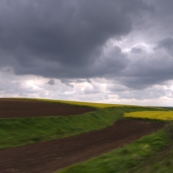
x=17, y=108
x=49, y=156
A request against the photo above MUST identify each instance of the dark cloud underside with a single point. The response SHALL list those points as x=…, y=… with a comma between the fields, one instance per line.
x=68, y=39
x=50, y=37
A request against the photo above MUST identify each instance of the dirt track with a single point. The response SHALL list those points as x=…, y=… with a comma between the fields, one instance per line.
x=10, y=108
x=49, y=156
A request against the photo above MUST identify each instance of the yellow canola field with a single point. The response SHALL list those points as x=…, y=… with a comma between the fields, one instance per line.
x=159, y=115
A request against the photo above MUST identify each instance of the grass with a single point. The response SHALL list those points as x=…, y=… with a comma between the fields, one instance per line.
x=152, y=153
x=127, y=159
x=131, y=158
x=160, y=162
x=22, y=131
x=156, y=115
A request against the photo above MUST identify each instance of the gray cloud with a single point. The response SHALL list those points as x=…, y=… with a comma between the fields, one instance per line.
x=60, y=38
x=162, y=8
x=166, y=43
x=153, y=92
x=136, y=50
x=67, y=82
x=148, y=68
x=116, y=88
x=74, y=41
x=51, y=82
x=147, y=94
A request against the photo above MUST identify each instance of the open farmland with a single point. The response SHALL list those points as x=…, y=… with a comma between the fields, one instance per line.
x=155, y=115
x=19, y=108
x=46, y=157
x=82, y=136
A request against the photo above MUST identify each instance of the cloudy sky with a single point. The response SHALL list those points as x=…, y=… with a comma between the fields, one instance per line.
x=113, y=51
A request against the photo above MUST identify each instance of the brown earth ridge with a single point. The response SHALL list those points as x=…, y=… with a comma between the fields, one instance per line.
x=18, y=108
x=49, y=156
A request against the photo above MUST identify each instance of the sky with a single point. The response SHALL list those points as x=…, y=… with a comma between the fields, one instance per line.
x=110, y=51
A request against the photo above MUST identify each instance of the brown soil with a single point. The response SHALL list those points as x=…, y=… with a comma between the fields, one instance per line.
x=49, y=156
x=10, y=108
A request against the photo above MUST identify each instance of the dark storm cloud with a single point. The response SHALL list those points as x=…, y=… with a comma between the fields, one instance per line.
x=51, y=82
x=162, y=8
x=65, y=38
x=167, y=44
x=68, y=39
x=147, y=69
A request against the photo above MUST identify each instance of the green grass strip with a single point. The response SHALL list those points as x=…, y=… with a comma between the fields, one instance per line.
x=22, y=131
x=159, y=162
x=125, y=159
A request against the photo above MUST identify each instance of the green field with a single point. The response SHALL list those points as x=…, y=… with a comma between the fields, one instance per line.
x=22, y=131
x=145, y=155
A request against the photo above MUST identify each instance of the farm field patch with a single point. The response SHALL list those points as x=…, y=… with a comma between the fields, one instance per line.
x=155, y=115
x=137, y=157
x=23, y=131
x=53, y=141
x=21, y=108
x=50, y=156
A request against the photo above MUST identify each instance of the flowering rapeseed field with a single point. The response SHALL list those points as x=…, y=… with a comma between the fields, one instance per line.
x=159, y=115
